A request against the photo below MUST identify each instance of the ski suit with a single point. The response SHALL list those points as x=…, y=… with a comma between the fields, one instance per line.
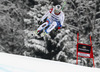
x=52, y=21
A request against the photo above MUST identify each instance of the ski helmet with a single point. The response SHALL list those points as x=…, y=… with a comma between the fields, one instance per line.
x=57, y=9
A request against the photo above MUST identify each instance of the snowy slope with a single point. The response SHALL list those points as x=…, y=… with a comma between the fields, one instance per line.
x=14, y=63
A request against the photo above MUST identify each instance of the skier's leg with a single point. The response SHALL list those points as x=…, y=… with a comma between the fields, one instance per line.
x=51, y=27
x=42, y=26
x=48, y=22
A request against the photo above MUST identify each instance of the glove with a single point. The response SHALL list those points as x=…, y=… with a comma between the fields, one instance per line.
x=59, y=27
x=40, y=22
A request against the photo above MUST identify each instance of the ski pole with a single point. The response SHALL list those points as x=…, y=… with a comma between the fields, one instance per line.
x=63, y=5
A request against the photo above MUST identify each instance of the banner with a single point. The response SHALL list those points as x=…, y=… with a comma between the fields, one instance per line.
x=84, y=50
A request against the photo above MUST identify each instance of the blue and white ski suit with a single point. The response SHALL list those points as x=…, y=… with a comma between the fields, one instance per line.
x=53, y=21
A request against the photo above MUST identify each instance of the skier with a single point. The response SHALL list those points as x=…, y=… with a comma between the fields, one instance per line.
x=55, y=19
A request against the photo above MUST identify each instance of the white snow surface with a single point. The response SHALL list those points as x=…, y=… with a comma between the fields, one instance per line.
x=15, y=63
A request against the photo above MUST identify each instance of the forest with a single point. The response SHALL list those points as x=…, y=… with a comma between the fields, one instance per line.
x=19, y=19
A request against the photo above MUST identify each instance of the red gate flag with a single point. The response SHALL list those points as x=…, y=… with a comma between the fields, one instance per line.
x=84, y=50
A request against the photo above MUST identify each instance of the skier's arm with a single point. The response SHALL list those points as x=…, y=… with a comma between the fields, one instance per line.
x=61, y=21
x=46, y=15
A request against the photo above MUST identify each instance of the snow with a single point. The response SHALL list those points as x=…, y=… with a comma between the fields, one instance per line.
x=31, y=13
x=28, y=21
x=15, y=63
x=38, y=45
